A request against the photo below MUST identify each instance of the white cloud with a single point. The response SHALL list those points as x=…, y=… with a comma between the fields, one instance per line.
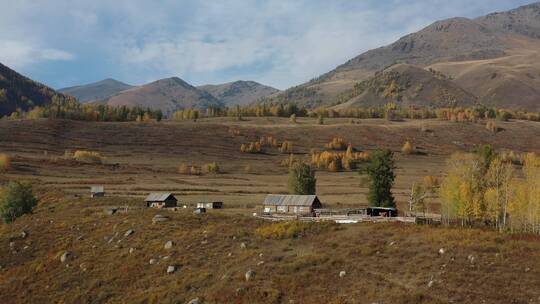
x=279, y=42
x=19, y=54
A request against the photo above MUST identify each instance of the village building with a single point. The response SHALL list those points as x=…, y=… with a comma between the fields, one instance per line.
x=211, y=205
x=382, y=211
x=291, y=204
x=97, y=191
x=161, y=200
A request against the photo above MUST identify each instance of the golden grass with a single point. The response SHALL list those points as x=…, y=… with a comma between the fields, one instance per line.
x=5, y=162
x=88, y=156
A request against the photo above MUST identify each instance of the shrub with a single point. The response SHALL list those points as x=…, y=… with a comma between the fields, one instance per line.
x=252, y=147
x=88, y=156
x=212, y=167
x=337, y=143
x=408, y=148
x=5, y=162
x=16, y=199
x=292, y=229
x=491, y=126
x=286, y=147
x=195, y=170
x=184, y=169
x=293, y=118
x=301, y=179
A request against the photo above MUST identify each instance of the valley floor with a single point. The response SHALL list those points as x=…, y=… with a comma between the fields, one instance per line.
x=383, y=263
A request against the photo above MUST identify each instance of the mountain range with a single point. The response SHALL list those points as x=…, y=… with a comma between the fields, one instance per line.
x=494, y=57
x=170, y=94
x=492, y=60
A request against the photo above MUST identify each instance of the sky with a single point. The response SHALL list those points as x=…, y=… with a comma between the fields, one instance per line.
x=280, y=43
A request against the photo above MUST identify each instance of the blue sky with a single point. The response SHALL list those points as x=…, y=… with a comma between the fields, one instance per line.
x=276, y=42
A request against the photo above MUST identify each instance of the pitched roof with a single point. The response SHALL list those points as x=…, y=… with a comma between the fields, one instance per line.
x=97, y=189
x=159, y=197
x=289, y=200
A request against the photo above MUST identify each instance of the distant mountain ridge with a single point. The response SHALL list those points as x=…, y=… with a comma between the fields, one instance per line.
x=96, y=91
x=238, y=92
x=501, y=44
x=168, y=95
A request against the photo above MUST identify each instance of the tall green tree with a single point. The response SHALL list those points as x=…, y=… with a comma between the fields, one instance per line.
x=380, y=171
x=16, y=199
x=302, y=179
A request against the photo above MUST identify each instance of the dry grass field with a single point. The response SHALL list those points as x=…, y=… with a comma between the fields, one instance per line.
x=140, y=158
x=384, y=263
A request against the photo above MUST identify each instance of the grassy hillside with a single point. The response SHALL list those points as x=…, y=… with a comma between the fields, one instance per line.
x=19, y=92
x=383, y=263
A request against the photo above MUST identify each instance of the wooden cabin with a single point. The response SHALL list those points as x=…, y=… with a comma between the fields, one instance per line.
x=211, y=205
x=291, y=204
x=161, y=200
x=97, y=191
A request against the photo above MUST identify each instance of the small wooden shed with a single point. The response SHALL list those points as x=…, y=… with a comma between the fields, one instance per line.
x=382, y=211
x=210, y=205
x=161, y=200
x=291, y=204
x=97, y=191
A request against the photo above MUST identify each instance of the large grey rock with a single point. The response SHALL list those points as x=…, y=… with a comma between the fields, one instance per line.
x=159, y=218
x=171, y=269
x=24, y=234
x=65, y=256
x=249, y=274
x=168, y=245
x=110, y=211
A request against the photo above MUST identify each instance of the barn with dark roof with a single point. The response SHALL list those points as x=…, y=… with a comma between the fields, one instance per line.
x=161, y=200
x=291, y=204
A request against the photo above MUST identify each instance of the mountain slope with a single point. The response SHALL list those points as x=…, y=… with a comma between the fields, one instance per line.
x=168, y=95
x=238, y=92
x=96, y=91
x=451, y=41
x=20, y=92
x=409, y=85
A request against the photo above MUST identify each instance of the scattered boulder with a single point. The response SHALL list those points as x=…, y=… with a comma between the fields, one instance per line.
x=194, y=301
x=243, y=245
x=441, y=251
x=249, y=274
x=430, y=284
x=392, y=243
x=260, y=263
x=168, y=245
x=171, y=269
x=65, y=256
x=152, y=261
x=470, y=258
x=11, y=244
x=83, y=266
x=159, y=218
x=342, y=273
x=24, y=234
x=110, y=211
x=131, y=250
x=129, y=232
